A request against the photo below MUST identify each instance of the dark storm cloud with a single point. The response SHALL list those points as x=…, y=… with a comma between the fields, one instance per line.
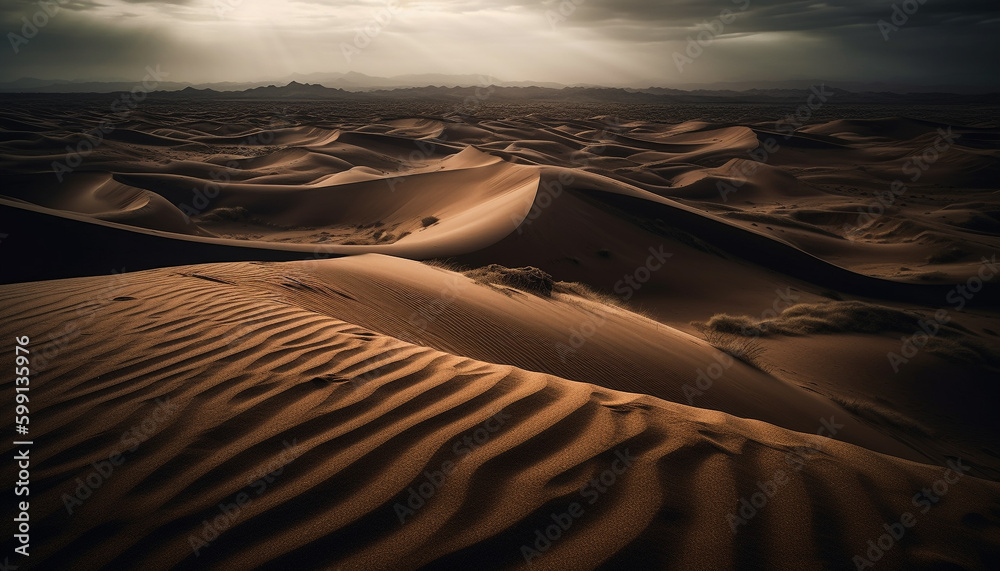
x=841, y=24
x=109, y=53
x=779, y=15
x=941, y=41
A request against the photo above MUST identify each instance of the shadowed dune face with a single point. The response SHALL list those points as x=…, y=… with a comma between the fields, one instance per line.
x=321, y=307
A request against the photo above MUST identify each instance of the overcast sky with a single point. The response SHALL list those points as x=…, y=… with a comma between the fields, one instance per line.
x=609, y=42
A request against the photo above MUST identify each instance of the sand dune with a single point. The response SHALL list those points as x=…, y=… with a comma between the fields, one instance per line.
x=244, y=368
x=303, y=184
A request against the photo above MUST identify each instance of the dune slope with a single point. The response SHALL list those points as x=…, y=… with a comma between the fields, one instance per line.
x=326, y=426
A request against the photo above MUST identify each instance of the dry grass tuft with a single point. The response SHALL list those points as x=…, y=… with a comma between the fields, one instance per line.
x=528, y=279
x=586, y=292
x=825, y=317
x=879, y=414
x=746, y=349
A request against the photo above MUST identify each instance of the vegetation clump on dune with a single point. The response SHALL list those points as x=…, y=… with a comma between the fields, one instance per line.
x=882, y=415
x=952, y=341
x=586, y=292
x=532, y=280
x=825, y=317
x=528, y=279
x=746, y=349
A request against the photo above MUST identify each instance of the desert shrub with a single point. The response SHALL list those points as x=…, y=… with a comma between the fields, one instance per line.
x=528, y=279
x=966, y=351
x=586, y=292
x=746, y=349
x=429, y=221
x=845, y=316
x=825, y=317
x=731, y=324
x=445, y=264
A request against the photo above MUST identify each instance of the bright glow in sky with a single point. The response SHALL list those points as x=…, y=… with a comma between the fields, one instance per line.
x=608, y=42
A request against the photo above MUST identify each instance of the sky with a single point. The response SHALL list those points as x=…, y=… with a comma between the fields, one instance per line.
x=636, y=43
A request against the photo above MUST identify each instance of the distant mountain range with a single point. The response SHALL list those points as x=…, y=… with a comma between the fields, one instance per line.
x=506, y=92
x=312, y=85
x=353, y=81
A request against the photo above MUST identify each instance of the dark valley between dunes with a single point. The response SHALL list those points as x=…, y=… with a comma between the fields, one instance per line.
x=478, y=328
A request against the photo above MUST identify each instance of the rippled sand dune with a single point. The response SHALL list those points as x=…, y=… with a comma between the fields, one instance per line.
x=259, y=377
x=425, y=341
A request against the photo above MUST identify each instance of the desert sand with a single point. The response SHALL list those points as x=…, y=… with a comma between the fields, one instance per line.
x=423, y=341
